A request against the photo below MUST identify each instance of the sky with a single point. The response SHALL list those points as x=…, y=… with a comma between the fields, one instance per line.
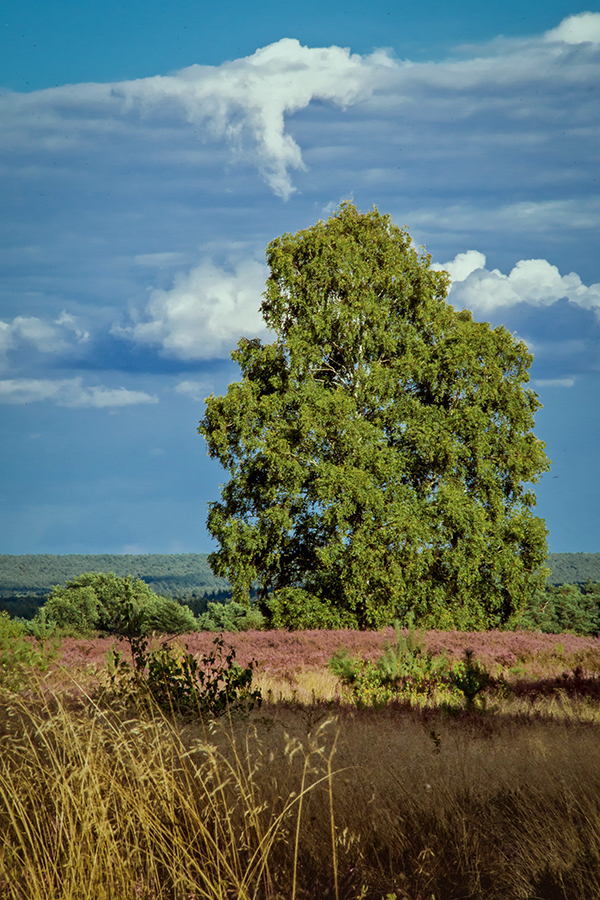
x=149, y=151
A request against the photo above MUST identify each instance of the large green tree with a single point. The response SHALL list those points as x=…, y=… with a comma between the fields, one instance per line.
x=379, y=449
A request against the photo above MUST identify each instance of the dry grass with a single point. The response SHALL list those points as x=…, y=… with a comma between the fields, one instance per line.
x=298, y=801
x=307, y=797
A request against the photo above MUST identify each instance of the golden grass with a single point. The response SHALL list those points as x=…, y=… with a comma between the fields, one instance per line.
x=298, y=800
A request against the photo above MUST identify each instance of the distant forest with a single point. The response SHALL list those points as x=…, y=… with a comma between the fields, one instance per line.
x=26, y=581
x=569, y=568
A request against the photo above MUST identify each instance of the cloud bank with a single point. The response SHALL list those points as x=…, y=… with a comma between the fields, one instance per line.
x=245, y=102
x=69, y=392
x=532, y=281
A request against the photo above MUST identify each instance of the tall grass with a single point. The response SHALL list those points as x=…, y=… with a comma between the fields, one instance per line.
x=95, y=803
x=296, y=801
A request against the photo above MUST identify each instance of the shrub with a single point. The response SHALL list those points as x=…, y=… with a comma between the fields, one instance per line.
x=167, y=616
x=404, y=668
x=230, y=616
x=470, y=678
x=106, y=602
x=20, y=656
x=177, y=682
x=74, y=608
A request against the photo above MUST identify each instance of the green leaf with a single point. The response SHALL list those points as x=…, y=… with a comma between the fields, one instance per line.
x=380, y=449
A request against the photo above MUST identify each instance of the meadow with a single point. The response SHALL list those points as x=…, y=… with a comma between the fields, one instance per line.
x=310, y=794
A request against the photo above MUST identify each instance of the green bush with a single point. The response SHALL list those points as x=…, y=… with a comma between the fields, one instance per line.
x=167, y=616
x=22, y=656
x=404, y=669
x=97, y=601
x=177, y=682
x=470, y=678
x=230, y=617
x=75, y=608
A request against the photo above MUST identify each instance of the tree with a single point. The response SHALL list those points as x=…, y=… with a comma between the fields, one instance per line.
x=379, y=449
x=103, y=601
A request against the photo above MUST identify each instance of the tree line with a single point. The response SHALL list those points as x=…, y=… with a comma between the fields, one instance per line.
x=179, y=575
x=188, y=576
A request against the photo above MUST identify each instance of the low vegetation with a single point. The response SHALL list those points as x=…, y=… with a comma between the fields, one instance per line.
x=147, y=767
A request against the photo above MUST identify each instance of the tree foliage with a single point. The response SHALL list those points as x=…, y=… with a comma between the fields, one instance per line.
x=99, y=601
x=379, y=448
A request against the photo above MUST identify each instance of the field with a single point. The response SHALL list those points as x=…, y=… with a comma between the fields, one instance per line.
x=309, y=796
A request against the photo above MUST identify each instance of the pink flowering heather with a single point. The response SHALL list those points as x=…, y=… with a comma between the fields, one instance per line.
x=278, y=652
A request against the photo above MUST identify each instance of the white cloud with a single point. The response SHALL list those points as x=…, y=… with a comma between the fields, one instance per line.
x=47, y=337
x=69, y=392
x=577, y=29
x=554, y=382
x=44, y=336
x=508, y=89
x=462, y=265
x=195, y=390
x=205, y=313
x=245, y=101
x=532, y=281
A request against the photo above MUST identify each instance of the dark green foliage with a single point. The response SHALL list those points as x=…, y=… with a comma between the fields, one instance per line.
x=199, y=604
x=299, y=610
x=564, y=608
x=22, y=607
x=181, y=575
x=379, y=449
x=177, y=682
x=26, y=580
x=573, y=568
x=106, y=602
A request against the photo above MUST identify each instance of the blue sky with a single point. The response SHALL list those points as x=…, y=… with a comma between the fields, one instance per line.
x=150, y=151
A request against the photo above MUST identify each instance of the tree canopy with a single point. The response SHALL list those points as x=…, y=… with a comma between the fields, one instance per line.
x=380, y=449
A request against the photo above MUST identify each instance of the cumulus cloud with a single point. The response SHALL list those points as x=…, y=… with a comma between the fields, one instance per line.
x=577, y=29
x=69, y=392
x=47, y=337
x=532, y=281
x=205, y=313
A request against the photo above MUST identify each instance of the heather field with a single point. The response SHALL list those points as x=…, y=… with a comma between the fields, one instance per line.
x=310, y=795
x=293, y=665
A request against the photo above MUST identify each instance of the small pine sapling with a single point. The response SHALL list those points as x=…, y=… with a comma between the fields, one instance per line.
x=470, y=678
